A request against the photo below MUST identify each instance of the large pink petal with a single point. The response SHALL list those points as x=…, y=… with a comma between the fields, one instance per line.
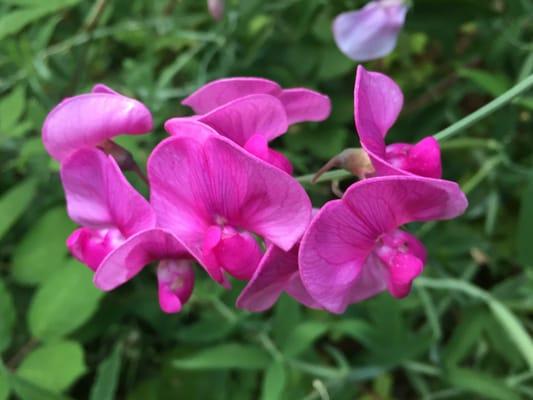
x=240, y=119
x=89, y=119
x=371, y=32
x=199, y=179
x=378, y=101
x=99, y=196
x=277, y=272
x=126, y=261
x=305, y=105
x=335, y=249
x=219, y=92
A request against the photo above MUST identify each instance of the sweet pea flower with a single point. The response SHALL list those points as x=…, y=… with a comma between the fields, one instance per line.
x=378, y=102
x=277, y=273
x=216, y=9
x=354, y=249
x=251, y=122
x=89, y=120
x=214, y=197
x=300, y=104
x=372, y=31
x=118, y=234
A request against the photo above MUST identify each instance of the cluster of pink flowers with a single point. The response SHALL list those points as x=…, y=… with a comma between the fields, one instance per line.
x=222, y=198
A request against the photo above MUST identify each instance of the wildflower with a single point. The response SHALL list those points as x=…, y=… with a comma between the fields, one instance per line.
x=251, y=122
x=372, y=31
x=354, y=249
x=216, y=9
x=300, y=104
x=91, y=119
x=214, y=197
x=378, y=102
x=119, y=236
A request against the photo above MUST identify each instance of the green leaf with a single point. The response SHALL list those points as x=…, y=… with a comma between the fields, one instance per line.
x=14, y=202
x=231, y=355
x=11, y=109
x=42, y=251
x=8, y=316
x=63, y=303
x=303, y=337
x=5, y=388
x=274, y=382
x=107, y=377
x=287, y=315
x=54, y=366
x=27, y=390
x=493, y=83
x=15, y=21
x=525, y=227
x=486, y=386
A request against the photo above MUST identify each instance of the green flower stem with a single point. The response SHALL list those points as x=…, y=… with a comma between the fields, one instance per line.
x=486, y=110
x=335, y=175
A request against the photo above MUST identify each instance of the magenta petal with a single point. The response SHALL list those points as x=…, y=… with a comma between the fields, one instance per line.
x=239, y=254
x=403, y=270
x=101, y=88
x=277, y=272
x=199, y=179
x=175, y=284
x=89, y=119
x=378, y=102
x=424, y=158
x=305, y=105
x=99, y=196
x=222, y=91
x=371, y=32
x=258, y=146
x=128, y=260
x=91, y=246
x=240, y=119
x=334, y=257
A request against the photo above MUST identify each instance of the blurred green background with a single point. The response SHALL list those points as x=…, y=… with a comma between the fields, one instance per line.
x=463, y=333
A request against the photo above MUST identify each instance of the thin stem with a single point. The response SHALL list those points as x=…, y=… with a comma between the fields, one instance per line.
x=486, y=110
x=327, y=176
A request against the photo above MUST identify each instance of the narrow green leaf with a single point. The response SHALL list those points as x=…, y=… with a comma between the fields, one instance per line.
x=8, y=316
x=107, y=377
x=42, y=251
x=11, y=109
x=465, y=336
x=514, y=329
x=231, y=355
x=15, y=21
x=63, y=303
x=14, y=202
x=54, y=367
x=493, y=83
x=525, y=227
x=274, y=382
x=488, y=387
x=303, y=336
x=5, y=388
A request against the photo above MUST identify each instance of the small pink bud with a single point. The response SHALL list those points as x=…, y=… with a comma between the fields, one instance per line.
x=216, y=9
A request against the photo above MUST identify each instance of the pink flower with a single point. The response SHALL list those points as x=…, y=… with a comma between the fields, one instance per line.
x=119, y=236
x=353, y=248
x=216, y=9
x=88, y=120
x=378, y=102
x=214, y=197
x=300, y=104
x=277, y=273
x=372, y=31
x=251, y=122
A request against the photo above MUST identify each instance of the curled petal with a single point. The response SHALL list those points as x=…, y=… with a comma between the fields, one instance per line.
x=222, y=91
x=175, y=284
x=87, y=120
x=127, y=260
x=99, y=196
x=371, y=32
x=277, y=272
x=305, y=105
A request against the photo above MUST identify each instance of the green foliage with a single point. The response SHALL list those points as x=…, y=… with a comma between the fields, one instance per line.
x=464, y=331
x=53, y=366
